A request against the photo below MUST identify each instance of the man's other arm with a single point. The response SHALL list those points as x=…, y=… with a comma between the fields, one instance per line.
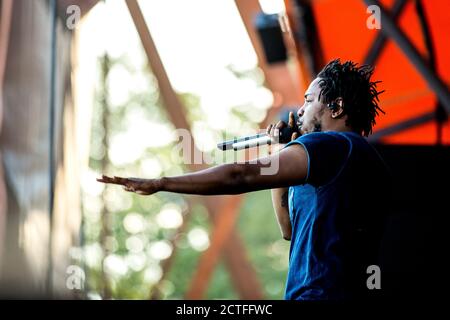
x=281, y=207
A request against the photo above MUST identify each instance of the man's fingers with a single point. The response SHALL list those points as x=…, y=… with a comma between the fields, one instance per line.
x=291, y=119
x=115, y=180
x=129, y=184
x=280, y=124
x=294, y=136
x=269, y=128
x=130, y=188
x=105, y=179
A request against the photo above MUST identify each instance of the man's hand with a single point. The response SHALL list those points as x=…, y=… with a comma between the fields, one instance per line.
x=274, y=130
x=139, y=186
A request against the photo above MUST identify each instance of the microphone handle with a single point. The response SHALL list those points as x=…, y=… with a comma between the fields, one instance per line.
x=228, y=145
x=261, y=141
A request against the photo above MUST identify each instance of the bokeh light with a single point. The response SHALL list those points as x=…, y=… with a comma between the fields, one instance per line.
x=160, y=250
x=198, y=239
x=134, y=222
x=170, y=217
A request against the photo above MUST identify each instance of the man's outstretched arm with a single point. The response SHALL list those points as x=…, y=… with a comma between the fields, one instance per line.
x=233, y=178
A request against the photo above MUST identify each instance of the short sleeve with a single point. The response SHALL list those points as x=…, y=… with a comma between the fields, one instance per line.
x=327, y=154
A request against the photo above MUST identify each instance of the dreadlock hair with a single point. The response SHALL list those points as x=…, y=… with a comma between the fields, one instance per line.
x=360, y=96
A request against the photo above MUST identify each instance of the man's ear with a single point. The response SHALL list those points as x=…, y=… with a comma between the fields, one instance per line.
x=337, y=110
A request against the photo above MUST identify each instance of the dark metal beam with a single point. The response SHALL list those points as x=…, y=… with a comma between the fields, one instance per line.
x=389, y=28
x=426, y=34
x=440, y=114
x=307, y=36
x=402, y=126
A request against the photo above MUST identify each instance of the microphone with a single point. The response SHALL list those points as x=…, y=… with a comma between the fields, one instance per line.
x=256, y=140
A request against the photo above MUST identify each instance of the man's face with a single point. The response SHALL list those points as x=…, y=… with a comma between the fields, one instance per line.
x=313, y=111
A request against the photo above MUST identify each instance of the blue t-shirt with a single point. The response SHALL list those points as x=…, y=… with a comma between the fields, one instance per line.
x=337, y=216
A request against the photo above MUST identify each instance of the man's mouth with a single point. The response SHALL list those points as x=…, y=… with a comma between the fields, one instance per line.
x=299, y=126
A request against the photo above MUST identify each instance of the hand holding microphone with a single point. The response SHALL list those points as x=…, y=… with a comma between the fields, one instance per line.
x=284, y=132
x=279, y=133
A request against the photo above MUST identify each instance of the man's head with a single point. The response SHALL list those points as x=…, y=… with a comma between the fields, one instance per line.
x=341, y=98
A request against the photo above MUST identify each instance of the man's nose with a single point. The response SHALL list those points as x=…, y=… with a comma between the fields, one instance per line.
x=300, y=112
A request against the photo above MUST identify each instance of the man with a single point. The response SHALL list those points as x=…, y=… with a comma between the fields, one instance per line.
x=328, y=193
